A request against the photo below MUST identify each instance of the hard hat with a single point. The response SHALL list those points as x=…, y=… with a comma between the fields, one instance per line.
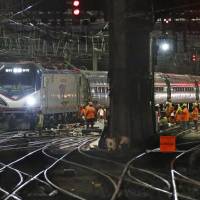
x=184, y=105
x=195, y=104
x=90, y=103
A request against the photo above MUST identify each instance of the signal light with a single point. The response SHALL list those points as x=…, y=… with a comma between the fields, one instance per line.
x=76, y=12
x=76, y=3
x=167, y=20
x=76, y=7
x=194, y=58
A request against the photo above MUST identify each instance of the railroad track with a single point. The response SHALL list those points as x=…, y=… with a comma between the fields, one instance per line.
x=63, y=168
x=185, y=176
x=84, y=180
x=159, y=178
x=20, y=172
x=34, y=172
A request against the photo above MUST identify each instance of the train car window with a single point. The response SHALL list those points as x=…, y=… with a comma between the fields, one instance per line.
x=189, y=89
x=178, y=89
x=18, y=80
x=183, y=89
x=159, y=89
x=164, y=89
x=92, y=90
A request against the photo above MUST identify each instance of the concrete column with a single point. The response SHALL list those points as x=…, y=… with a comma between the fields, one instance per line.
x=129, y=74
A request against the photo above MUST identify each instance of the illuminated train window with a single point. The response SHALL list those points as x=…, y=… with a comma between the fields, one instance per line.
x=182, y=89
x=189, y=89
x=159, y=89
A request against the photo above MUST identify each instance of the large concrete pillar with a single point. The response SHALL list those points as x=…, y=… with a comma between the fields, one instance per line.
x=130, y=78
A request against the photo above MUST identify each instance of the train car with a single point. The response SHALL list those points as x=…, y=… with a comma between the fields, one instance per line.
x=26, y=88
x=182, y=88
x=99, y=86
x=196, y=79
x=160, y=89
x=174, y=87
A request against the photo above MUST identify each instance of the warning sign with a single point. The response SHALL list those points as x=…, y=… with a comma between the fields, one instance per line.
x=167, y=143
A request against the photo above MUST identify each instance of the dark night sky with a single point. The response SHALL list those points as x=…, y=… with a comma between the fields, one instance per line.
x=101, y=4
x=162, y=7
x=61, y=5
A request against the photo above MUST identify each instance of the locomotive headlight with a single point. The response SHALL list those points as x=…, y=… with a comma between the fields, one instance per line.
x=164, y=46
x=30, y=101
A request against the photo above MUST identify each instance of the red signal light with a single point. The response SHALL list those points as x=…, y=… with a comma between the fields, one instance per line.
x=194, y=58
x=76, y=12
x=76, y=8
x=76, y=3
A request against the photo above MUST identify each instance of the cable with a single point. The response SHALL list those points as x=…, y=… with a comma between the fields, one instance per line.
x=27, y=8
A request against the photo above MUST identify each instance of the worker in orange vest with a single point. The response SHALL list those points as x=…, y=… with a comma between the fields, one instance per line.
x=185, y=116
x=90, y=114
x=195, y=115
x=82, y=114
x=178, y=115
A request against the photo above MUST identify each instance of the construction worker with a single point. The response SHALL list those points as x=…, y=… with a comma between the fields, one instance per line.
x=169, y=112
x=40, y=122
x=90, y=114
x=185, y=116
x=82, y=114
x=101, y=115
x=163, y=122
x=195, y=115
x=157, y=115
x=178, y=115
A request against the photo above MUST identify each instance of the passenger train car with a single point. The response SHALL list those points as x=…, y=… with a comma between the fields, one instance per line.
x=175, y=87
x=99, y=86
x=26, y=88
x=178, y=88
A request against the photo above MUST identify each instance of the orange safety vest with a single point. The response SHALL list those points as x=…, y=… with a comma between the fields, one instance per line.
x=185, y=115
x=90, y=112
x=195, y=114
x=178, y=116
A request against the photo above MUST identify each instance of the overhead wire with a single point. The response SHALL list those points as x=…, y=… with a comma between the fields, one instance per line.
x=27, y=8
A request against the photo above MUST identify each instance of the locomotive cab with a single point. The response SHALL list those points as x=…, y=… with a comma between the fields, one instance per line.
x=19, y=90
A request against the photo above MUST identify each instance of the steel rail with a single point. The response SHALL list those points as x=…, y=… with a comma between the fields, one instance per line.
x=33, y=177
x=175, y=193
x=79, y=165
x=122, y=165
x=148, y=185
